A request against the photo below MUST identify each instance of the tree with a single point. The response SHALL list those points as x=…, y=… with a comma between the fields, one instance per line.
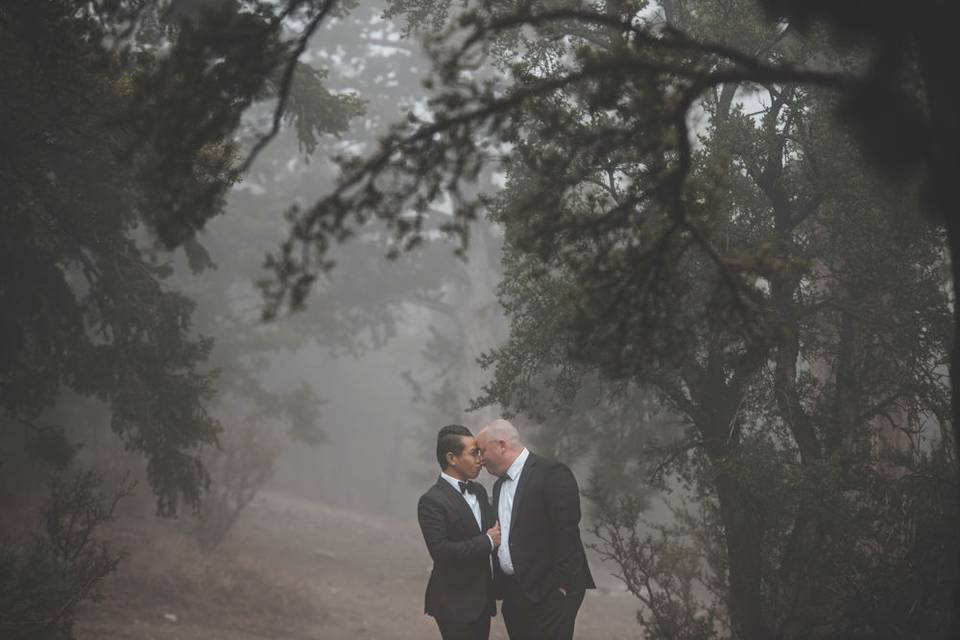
x=900, y=98
x=680, y=281
x=359, y=307
x=768, y=472
x=85, y=306
x=97, y=182
x=122, y=125
x=43, y=581
x=620, y=88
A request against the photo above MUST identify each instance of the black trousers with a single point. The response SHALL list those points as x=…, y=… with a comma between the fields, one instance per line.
x=552, y=618
x=476, y=630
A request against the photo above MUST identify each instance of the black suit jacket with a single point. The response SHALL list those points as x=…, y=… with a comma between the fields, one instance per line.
x=544, y=538
x=461, y=585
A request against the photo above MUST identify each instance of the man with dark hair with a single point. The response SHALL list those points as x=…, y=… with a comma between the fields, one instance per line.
x=461, y=532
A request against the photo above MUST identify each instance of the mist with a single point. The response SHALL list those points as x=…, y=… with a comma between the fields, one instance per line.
x=256, y=254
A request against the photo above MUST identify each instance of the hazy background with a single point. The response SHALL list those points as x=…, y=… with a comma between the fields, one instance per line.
x=726, y=320
x=362, y=344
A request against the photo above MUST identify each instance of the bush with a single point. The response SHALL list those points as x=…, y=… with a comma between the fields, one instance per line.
x=238, y=469
x=45, y=576
x=882, y=565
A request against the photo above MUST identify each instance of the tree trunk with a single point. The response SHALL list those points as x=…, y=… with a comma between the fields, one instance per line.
x=937, y=49
x=953, y=236
x=741, y=515
x=744, y=532
x=478, y=319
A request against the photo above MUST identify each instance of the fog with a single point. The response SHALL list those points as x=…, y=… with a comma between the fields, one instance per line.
x=378, y=438
x=255, y=255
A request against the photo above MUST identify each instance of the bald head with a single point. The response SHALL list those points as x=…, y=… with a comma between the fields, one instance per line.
x=501, y=429
x=500, y=445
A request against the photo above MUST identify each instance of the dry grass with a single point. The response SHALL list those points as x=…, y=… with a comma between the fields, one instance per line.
x=290, y=570
x=166, y=573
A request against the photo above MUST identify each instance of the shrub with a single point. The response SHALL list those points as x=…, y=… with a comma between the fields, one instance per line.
x=44, y=576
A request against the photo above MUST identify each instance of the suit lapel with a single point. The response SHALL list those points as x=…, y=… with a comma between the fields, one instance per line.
x=458, y=504
x=525, y=474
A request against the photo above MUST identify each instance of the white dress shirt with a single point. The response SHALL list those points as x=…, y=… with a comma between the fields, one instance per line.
x=508, y=490
x=472, y=501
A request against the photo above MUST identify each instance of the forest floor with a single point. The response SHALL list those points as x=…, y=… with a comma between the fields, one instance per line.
x=292, y=569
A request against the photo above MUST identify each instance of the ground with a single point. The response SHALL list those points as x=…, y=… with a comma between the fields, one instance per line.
x=292, y=569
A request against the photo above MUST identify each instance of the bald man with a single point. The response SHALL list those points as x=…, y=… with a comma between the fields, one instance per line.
x=540, y=569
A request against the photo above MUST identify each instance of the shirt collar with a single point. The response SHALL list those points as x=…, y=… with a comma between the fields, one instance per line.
x=514, y=470
x=453, y=481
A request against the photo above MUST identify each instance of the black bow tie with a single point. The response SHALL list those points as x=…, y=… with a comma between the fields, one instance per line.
x=468, y=486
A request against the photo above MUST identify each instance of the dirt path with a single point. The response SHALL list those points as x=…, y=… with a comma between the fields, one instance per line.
x=292, y=569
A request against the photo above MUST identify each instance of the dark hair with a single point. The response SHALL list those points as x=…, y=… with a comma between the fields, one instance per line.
x=450, y=440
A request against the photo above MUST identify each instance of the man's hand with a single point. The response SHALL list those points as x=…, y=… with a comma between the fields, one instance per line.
x=494, y=534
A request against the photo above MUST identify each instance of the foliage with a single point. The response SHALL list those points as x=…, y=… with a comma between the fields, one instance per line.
x=239, y=469
x=881, y=570
x=663, y=569
x=85, y=306
x=127, y=121
x=120, y=126
x=202, y=65
x=363, y=304
x=740, y=265
x=651, y=69
x=745, y=268
x=44, y=578
x=718, y=298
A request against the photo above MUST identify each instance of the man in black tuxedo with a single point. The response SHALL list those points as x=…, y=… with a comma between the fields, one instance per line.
x=461, y=532
x=540, y=569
